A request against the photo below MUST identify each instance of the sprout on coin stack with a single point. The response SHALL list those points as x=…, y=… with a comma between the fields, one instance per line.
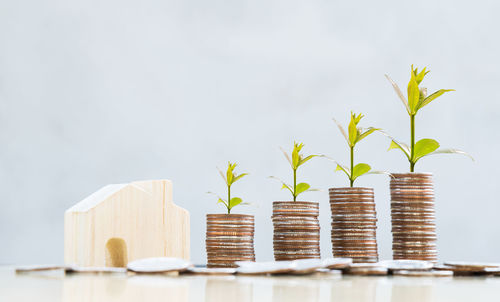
x=412, y=194
x=296, y=225
x=229, y=236
x=354, y=219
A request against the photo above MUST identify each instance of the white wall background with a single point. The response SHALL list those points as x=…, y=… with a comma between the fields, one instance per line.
x=97, y=92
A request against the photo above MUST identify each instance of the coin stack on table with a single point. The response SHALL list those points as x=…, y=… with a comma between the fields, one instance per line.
x=413, y=217
x=229, y=239
x=296, y=230
x=354, y=224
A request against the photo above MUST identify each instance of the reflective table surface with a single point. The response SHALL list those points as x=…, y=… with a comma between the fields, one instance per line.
x=55, y=286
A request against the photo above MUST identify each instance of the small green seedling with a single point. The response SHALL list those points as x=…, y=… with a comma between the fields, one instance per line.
x=354, y=135
x=296, y=160
x=230, y=178
x=417, y=99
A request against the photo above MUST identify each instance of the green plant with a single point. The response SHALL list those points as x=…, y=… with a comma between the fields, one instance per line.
x=296, y=160
x=354, y=135
x=230, y=178
x=417, y=99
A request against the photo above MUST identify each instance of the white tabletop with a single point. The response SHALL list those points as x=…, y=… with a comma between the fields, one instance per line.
x=79, y=287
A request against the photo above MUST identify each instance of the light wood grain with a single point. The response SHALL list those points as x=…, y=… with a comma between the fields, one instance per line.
x=124, y=222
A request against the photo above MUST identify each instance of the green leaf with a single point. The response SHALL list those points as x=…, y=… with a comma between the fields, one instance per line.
x=234, y=202
x=353, y=130
x=295, y=155
x=239, y=177
x=222, y=201
x=229, y=173
x=397, y=145
x=359, y=170
x=432, y=97
x=424, y=147
x=450, y=151
x=304, y=160
x=346, y=170
x=401, y=146
x=413, y=94
x=301, y=187
x=420, y=76
x=399, y=93
x=342, y=130
x=367, y=132
x=285, y=186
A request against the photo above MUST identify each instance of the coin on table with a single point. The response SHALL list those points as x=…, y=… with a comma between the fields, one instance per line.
x=407, y=265
x=158, y=265
x=430, y=273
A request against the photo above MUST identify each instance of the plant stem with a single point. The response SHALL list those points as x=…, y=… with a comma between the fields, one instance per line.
x=294, y=184
x=352, y=167
x=229, y=199
x=412, y=146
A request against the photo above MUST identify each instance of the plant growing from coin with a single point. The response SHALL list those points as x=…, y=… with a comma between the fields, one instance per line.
x=230, y=178
x=296, y=160
x=417, y=99
x=353, y=136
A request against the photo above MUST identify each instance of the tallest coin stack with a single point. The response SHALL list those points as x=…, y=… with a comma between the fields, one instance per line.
x=413, y=217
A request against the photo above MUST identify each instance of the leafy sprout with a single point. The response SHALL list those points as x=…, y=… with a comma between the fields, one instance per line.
x=296, y=160
x=417, y=99
x=230, y=178
x=354, y=135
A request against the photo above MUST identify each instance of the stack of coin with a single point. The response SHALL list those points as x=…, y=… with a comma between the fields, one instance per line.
x=413, y=217
x=354, y=224
x=229, y=239
x=296, y=230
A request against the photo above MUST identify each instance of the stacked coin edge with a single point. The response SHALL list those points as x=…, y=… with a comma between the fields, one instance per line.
x=229, y=238
x=413, y=216
x=296, y=230
x=354, y=224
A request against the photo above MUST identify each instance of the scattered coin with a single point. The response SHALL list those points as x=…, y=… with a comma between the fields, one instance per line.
x=269, y=267
x=407, y=265
x=210, y=271
x=366, y=269
x=430, y=273
x=38, y=268
x=306, y=266
x=472, y=265
x=96, y=270
x=158, y=265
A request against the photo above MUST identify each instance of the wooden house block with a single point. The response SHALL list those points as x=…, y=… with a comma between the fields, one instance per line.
x=124, y=222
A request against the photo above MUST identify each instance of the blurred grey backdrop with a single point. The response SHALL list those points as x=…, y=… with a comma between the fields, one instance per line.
x=98, y=92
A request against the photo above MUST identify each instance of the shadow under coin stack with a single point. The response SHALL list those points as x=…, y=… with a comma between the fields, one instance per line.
x=354, y=224
x=413, y=217
x=296, y=230
x=229, y=239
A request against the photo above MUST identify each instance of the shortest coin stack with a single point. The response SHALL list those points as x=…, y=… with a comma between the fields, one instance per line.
x=296, y=230
x=229, y=239
x=354, y=224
